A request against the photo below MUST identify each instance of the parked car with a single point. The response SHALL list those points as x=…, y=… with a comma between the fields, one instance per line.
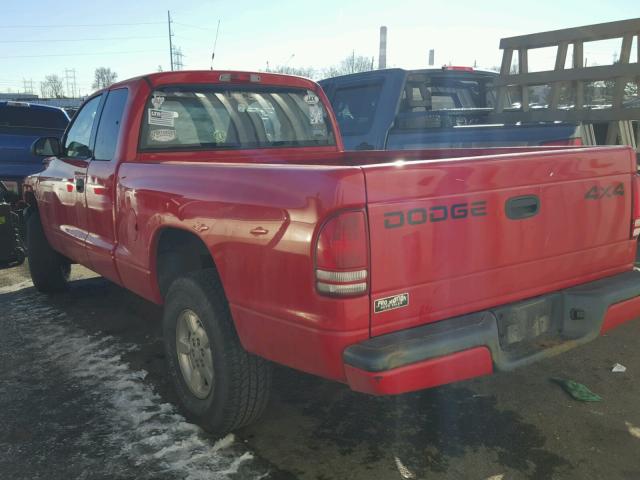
x=21, y=124
x=433, y=108
x=228, y=198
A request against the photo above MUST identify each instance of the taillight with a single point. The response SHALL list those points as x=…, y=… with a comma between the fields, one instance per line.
x=576, y=141
x=342, y=256
x=635, y=221
x=457, y=68
x=239, y=77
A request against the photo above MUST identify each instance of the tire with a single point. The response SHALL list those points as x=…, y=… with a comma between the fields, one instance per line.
x=240, y=383
x=49, y=270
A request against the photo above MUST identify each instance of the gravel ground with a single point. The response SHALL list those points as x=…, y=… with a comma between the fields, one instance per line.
x=83, y=395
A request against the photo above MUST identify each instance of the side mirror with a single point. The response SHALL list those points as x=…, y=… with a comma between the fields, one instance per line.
x=46, y=147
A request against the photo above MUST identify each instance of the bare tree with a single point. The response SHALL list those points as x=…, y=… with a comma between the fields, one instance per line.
x=104, y=77
x=308, y=72
x=52, y=87
x=351, y=64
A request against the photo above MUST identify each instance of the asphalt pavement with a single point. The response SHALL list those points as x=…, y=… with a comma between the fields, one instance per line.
x=83, y=394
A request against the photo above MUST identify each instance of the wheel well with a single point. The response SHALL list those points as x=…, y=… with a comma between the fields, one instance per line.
x=179, y=252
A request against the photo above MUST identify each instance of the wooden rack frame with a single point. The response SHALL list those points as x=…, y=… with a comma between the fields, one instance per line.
x=622, y=72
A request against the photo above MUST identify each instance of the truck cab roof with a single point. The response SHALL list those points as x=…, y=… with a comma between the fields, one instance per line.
x=33, y=107
x=401, y=72
x=219, y=76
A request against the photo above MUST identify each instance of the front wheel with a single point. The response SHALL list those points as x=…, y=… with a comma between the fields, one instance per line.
x=220, y=385
x=49, y=270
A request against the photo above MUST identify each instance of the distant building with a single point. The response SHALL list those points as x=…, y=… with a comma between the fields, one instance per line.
x=19, y=97
x=70, y=103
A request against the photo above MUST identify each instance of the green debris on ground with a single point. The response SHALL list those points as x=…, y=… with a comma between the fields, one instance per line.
x=578, y=391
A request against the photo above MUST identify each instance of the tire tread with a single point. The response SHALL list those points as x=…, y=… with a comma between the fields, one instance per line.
x=249, y=376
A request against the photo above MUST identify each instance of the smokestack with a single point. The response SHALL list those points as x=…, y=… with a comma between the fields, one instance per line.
x=432, y=54
x=382, y=58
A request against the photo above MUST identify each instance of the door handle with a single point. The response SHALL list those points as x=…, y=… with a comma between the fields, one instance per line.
x=259, y=231
x=79, y=184
x=525, y=206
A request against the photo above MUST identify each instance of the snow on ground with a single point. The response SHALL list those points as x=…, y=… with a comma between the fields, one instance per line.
x=150, y=433
x=16, y=287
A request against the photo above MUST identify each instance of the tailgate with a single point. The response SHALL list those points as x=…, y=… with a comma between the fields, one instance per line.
x=455, y=236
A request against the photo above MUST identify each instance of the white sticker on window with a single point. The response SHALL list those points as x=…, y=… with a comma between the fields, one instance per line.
x=311, y=98
x=162, y=117
x=163, y=135
x=157, y=101
x=219, y=136
x=315, y=115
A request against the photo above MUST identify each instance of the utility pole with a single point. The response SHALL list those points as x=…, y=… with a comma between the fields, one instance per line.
x=170, y=35
x=28, y=86
x=70, y=78
x=178, y=63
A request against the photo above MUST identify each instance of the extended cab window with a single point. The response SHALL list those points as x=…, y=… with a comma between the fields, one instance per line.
x=78, y=138
x=109, y=126
x=355, y=108
x=234, y=117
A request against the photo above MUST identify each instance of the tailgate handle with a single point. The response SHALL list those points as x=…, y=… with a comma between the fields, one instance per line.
x=526, y=206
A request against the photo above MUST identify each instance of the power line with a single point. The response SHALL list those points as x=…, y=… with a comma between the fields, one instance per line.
x=80, y=54
x=80, y=39
x=57, y=25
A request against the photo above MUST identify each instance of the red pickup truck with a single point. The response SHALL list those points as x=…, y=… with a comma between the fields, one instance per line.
x=227, y=197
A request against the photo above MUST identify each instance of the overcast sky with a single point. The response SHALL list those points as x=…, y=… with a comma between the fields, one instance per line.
x=41, y=37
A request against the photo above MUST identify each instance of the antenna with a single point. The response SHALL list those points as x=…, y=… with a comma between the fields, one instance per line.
x=289, y=59
x=215, y=43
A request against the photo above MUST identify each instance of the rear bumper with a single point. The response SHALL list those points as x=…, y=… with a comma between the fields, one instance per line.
x=499, y=339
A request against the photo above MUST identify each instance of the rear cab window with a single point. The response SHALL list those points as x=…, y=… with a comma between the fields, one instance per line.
x=443, y=100
x=234, y=117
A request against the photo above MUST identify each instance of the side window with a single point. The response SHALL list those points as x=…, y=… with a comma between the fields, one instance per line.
x=77, y=142
x=109, y=126
x=355, y=108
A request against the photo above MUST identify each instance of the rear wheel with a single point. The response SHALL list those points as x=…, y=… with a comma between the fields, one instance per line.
x=49, y=270
x=220, y=386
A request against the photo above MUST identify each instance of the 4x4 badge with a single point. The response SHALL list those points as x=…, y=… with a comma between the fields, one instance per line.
x=598, y=193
